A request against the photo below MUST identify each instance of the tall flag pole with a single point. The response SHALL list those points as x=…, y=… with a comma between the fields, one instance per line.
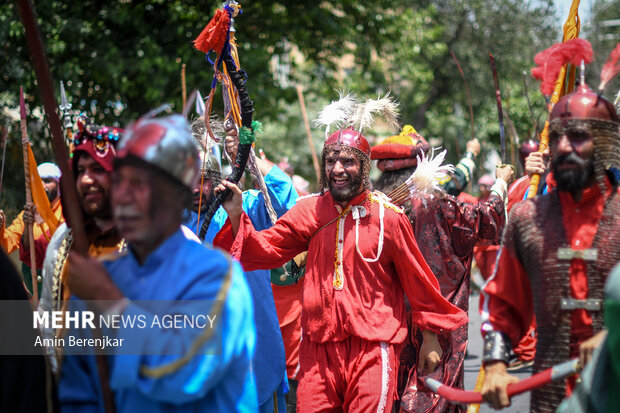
x=571, y=31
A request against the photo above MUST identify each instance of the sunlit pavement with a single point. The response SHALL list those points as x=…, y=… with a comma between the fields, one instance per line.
x=520, y=403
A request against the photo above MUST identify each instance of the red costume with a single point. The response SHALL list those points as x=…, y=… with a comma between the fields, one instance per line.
x=510, y=295
x=450, y=229
x=360, y=260
x=526, y=349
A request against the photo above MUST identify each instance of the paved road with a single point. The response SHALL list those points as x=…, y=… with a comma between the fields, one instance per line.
x=520, y=403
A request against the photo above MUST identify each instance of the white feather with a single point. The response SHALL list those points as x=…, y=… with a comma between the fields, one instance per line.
x=365, y=112
x=337, y=113
x=429, y=172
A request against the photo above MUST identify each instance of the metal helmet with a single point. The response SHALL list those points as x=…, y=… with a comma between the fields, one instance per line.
x=584, y=104
x=584, y=110
x=349, y=137
x=526, y=148
x=165, y=143
x=210, y=164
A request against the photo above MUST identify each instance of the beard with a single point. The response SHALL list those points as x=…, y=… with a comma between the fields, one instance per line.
x=346, y=193
x=572, y=179
x=98, y=209
x=204, y=203
x=52, y=194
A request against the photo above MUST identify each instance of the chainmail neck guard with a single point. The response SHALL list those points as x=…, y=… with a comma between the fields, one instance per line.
x=606, y=135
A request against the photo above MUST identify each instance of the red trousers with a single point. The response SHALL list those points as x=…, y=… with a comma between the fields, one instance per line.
x=353, y=375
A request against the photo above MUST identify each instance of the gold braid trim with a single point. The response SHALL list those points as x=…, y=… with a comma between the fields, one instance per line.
x=61, y=258
x=380, y=197
x=160, y=371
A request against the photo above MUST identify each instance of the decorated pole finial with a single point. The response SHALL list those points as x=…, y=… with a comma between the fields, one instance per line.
x=65, y=108
x=216, y=37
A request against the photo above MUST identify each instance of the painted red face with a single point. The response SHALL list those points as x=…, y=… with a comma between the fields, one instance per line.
x=93, y=185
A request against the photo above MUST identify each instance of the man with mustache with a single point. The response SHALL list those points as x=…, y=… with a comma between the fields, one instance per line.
x=177, y=368
x=362, y=256
x=450, y=229
x=269, y=363
x=92, y=162
x=15, y=235
x=557, y=251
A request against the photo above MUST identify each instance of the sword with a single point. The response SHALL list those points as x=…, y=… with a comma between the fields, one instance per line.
x=555, y=373
x=5, y=134
x=500, y=113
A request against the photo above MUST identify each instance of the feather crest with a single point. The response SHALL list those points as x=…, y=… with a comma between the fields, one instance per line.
x=551, y=60
x=365, y=112
x=611, y=68
x=337, y=113
x=429, y=172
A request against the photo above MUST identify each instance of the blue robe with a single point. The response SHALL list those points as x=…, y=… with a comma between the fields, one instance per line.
x=269, y=361
x=217, y=381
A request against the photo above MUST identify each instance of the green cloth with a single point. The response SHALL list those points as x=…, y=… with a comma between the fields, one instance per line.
x=612, y=321
x=28, y=279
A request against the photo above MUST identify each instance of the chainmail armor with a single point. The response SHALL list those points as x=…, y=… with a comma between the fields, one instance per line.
x=535, y=233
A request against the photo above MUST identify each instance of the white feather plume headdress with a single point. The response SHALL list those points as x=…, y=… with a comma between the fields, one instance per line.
x=426, y=178
x=348, y=112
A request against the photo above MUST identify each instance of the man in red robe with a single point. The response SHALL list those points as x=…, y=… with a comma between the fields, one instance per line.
x=557, y=252
x=362, y=256
x=450, y=229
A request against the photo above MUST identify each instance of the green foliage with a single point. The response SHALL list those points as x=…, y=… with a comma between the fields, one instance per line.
x=121, y=58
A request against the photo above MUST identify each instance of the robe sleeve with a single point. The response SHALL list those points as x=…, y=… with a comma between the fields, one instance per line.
x=487, y=219
x=162, y=378
x=78, y=390
x=281, y=191
x=507, y=296
x=270, y=248
x=429, y=309
x=10, y=236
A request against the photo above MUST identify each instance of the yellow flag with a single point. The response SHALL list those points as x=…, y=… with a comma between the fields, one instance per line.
x=39, y=196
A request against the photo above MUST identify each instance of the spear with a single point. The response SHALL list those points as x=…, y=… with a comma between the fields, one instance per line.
x=4, y=139
x=65, y=107
x=29, y=226
x=500, y=113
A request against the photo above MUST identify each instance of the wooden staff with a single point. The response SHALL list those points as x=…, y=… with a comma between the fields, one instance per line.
x=304, y=113
x=5, y=133
x=183, y=85
x=29, y=226
x=475, y=407
x=71, y=206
